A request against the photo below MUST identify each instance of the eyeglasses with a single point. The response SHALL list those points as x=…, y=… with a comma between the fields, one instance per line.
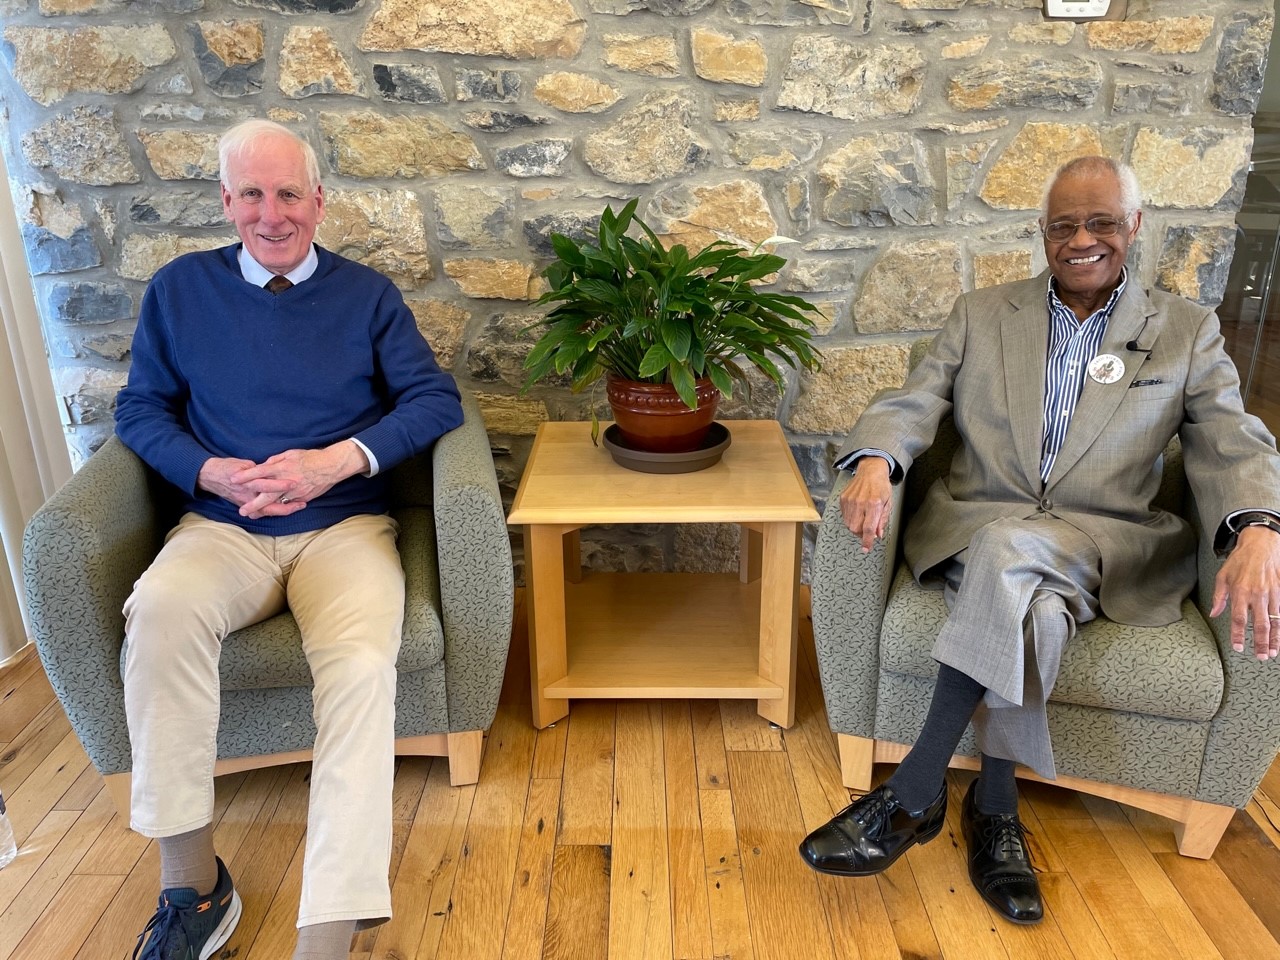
x=1098, y=227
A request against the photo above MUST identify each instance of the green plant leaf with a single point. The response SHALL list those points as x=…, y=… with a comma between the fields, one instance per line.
x=677, y=337
x=682, y=380
x=656, y=359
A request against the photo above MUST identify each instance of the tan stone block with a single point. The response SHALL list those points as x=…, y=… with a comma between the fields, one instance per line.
x=736, y=211
x=444, y=324
x=495, y=279
x=963, y=163
x=382, y=229
x=515, y=416
x=181, y=154
x=144, y=254
x=990, y=269
x=728, y=111
x=653, y=141
x=1058, y=33
x=722, y=59
x=371, y=144
x=1189, y=167
x=965, y=48
x=311, y=63
x=575, y=92
x=653, y=56
x=44, y=207
x=831, y=399
x=285, y=115
x=234, y=42
x=1017, y=178
x=51, y=62
x=519, y=29
x=540, y=193
x=64, y=8
x=853, y=81
x=1166, y=35
x=706, y=548
x=912, y=286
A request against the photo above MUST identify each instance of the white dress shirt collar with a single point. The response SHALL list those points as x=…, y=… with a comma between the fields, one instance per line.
x=258, y=275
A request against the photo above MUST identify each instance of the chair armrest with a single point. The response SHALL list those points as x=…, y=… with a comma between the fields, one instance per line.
x=81, y=554
x=477, y=582
x=850, y=589
x=1243, y=740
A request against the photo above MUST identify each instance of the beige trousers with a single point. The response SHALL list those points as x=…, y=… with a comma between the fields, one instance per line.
x=345, y=587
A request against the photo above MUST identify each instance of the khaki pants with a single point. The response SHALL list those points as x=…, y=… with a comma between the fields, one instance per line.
x=345, y=587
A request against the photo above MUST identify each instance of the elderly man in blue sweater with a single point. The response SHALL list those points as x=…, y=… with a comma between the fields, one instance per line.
x=273, y=384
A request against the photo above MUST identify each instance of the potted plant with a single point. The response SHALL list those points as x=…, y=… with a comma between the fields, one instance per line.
x=670, y=330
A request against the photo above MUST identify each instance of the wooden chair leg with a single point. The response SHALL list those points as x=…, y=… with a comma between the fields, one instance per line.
x=465, y=751
x=1199, y=833
x=856, y=759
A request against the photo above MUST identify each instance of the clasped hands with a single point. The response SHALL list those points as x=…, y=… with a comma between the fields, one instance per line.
x=1249, y=578
x=282, y=484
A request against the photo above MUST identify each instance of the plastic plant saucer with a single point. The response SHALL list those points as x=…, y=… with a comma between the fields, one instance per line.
x=708, y=454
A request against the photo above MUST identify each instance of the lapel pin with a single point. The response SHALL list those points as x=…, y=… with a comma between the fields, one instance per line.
x=1106, y=368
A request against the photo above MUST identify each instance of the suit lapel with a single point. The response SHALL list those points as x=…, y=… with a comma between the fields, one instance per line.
x=1024, y=339
x=1134, y=316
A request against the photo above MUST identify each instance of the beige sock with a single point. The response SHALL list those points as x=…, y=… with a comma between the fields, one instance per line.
x=325, y=941
x=187, y=860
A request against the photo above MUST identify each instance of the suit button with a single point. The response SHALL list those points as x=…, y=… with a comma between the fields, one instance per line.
x=1046, y=505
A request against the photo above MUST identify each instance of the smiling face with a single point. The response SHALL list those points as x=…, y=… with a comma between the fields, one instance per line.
x=272, y=202
x=1086, y=267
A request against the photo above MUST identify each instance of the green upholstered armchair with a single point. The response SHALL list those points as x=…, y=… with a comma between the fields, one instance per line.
x=85, y=548
x=1166, y=719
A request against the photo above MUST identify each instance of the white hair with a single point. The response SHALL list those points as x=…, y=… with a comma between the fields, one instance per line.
x=240, y=138
x=1130, y=191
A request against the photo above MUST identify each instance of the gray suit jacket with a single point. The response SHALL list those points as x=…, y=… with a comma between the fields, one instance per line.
x=986, y=367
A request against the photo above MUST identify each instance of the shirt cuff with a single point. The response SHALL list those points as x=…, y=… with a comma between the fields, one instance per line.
x=850, y=461
x=373, y=461
x=1237, y=521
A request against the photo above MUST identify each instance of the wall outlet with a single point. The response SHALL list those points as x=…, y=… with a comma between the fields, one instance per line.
x=1083, y=10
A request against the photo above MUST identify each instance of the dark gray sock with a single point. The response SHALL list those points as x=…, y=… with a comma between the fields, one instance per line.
x=919, y=777
x=997, y=789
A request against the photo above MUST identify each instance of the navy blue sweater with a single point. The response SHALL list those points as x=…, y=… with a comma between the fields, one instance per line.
x=223, y=368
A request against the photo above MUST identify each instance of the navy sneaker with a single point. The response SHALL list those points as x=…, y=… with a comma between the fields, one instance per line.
x=187, y=926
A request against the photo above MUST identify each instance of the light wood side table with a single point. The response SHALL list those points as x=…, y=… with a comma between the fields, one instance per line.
x=662, y=634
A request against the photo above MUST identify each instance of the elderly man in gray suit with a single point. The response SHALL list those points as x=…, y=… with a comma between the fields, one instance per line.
x=1065, y=390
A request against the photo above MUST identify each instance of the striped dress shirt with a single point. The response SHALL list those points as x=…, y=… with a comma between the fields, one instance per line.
x=1072, y=344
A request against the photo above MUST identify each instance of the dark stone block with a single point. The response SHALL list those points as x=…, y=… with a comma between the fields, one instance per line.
x=49, y=253
x=500, y=121
x=579, y=226
x=814, y=461
x=1242, y=63
x=678, y=8
x=408, y=84
x=502, y=86
x=303, y=6
x=112, y=346
x=181, y=209
x=1210, y=248
x=540, y=158
x=89, y=302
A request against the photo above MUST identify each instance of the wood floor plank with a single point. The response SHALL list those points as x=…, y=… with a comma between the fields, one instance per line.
x=1064, y=905
x=1121, y=911
x=783, y=901
x=549, y=750
x=708, y=745
x=1224, y=914
x=690, y=913
x=33, y=854
x=744, y=729
x=81, y=793
x=36, y=796
x=31, y=746
x=277, y=934
x=1161, y=895
x=1249, y=858
x=1156, y=831
x=1050, y=802
x=586, y=805
x=578, y=908
x=640, y=878
x=424, y=881
x=527, y=918
x=912, y=930
x=63, y=927
x=482, y=888
x=116, y=932
x=726, y=893
x=24, y=692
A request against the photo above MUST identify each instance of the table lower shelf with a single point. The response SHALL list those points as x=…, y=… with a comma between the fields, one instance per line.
x=687, y=635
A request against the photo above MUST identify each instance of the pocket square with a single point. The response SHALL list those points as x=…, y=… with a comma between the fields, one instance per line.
x=1144, y=383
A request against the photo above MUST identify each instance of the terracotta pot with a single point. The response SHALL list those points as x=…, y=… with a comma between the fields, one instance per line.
x=652, y=417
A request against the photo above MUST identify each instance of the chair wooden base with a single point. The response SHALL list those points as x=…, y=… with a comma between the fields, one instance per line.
x=1198, y=826
x=464, y=751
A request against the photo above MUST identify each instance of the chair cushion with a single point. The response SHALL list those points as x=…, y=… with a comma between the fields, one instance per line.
x=1173, y=671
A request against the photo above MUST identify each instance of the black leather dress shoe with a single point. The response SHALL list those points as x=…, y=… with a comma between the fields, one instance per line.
x=1000, y=862
x=867, y=836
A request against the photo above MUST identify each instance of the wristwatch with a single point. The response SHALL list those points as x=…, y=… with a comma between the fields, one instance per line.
x=1257, y=519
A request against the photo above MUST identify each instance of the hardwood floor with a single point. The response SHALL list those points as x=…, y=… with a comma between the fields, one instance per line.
x=632, y=829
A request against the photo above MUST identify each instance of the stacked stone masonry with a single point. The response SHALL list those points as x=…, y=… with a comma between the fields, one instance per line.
x=901, y=144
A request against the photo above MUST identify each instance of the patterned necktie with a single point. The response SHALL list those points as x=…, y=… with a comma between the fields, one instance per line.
x=278, y=284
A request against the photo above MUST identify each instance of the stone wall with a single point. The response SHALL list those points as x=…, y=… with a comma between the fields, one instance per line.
x=902, y=143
